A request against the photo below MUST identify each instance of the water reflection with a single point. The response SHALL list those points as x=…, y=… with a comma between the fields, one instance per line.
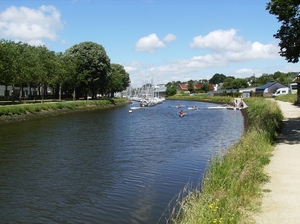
x=107, y=166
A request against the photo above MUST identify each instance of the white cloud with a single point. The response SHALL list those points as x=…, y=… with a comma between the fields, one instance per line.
x=220, y=40
x=169, y=38
x=149, y=43
x=30, y=25
x=130, y=68
x=233, y=47
x=245, y=71
x=229, y=53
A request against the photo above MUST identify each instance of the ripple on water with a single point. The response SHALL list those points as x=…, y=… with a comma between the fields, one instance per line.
x=108, y=166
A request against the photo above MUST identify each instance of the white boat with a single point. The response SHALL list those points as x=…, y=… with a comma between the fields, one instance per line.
x=193, y=108
x=135, y=108
x=218, y=107
x=238, y=104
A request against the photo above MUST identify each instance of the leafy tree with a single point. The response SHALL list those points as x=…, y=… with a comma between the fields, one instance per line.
x=12, y=63
x=171, y=90
x=65, y=77
x=234, y=83
x=205, y=87
x=169, y=84
x=7, y=63
x=264, y=78
x=203, y=81
x=27, y=67
x=45, y=69
x=240, y=83
x=287, y=12
x=191, y=85
x=227, y=83
x=217, y=78
x=93, y=67
x=118, y=79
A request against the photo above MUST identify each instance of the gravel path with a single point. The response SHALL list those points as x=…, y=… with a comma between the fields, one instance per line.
x=282, y=204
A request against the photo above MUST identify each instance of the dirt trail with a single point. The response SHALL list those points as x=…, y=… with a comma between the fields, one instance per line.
x=282, y=204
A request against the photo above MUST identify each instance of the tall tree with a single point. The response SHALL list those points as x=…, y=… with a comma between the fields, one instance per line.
x=217, y=78
x=93, y=66
x=191, y=85
x=65, y=73
x=6, y=63
x=205, y=87
x=171, y=89
x=287, y=13
x=118, y=79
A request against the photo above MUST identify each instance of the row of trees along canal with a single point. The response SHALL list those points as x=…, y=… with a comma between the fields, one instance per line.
x=81, y=71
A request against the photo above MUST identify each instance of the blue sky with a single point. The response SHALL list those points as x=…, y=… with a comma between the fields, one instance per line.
x=156, y=41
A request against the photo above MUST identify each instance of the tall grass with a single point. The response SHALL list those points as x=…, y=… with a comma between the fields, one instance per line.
x=231, y=187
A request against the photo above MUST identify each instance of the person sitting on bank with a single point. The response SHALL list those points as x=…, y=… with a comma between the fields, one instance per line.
x=241, y=104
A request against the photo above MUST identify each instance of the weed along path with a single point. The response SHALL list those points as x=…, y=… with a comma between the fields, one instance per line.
x=281, y=200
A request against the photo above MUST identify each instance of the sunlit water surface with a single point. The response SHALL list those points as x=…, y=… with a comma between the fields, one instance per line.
x=108, y=166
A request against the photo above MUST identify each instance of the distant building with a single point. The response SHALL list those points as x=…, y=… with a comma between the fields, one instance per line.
x=269, y=88
x=184, y=87
x=160, y=92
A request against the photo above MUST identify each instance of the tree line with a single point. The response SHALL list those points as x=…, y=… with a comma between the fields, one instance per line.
x=82, y=70
x=230, y=82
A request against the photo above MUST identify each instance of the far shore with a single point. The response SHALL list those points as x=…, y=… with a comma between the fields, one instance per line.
x=25, y=112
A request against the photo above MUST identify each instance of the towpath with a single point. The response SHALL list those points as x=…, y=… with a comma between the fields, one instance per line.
x=281, y=202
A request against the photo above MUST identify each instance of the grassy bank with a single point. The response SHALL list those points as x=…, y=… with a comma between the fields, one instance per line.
x=231, y=187
x=203, y=98
x=29, y=111
x=292, y=98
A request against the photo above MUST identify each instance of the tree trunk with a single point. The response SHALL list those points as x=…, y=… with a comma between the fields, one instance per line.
x=6, y=95
x=21, y=93
x=59, y=92
x=74, y=92
x=42, y=93
x=13, y=93
x=29, y=92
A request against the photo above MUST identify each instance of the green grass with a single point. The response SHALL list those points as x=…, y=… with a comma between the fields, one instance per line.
x=203, y=98
x=232, y=185
x=33, y=108
x=292, y=98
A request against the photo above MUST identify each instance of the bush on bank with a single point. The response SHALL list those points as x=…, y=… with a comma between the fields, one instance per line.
x=232, y=185
x=21, y=112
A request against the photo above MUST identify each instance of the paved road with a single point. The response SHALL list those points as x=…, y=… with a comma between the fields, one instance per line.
x=282, y=204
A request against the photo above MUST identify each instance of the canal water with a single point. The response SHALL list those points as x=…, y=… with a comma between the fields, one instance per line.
x=108, y=166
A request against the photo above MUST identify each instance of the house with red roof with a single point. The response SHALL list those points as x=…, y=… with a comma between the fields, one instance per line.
x=184, y=87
